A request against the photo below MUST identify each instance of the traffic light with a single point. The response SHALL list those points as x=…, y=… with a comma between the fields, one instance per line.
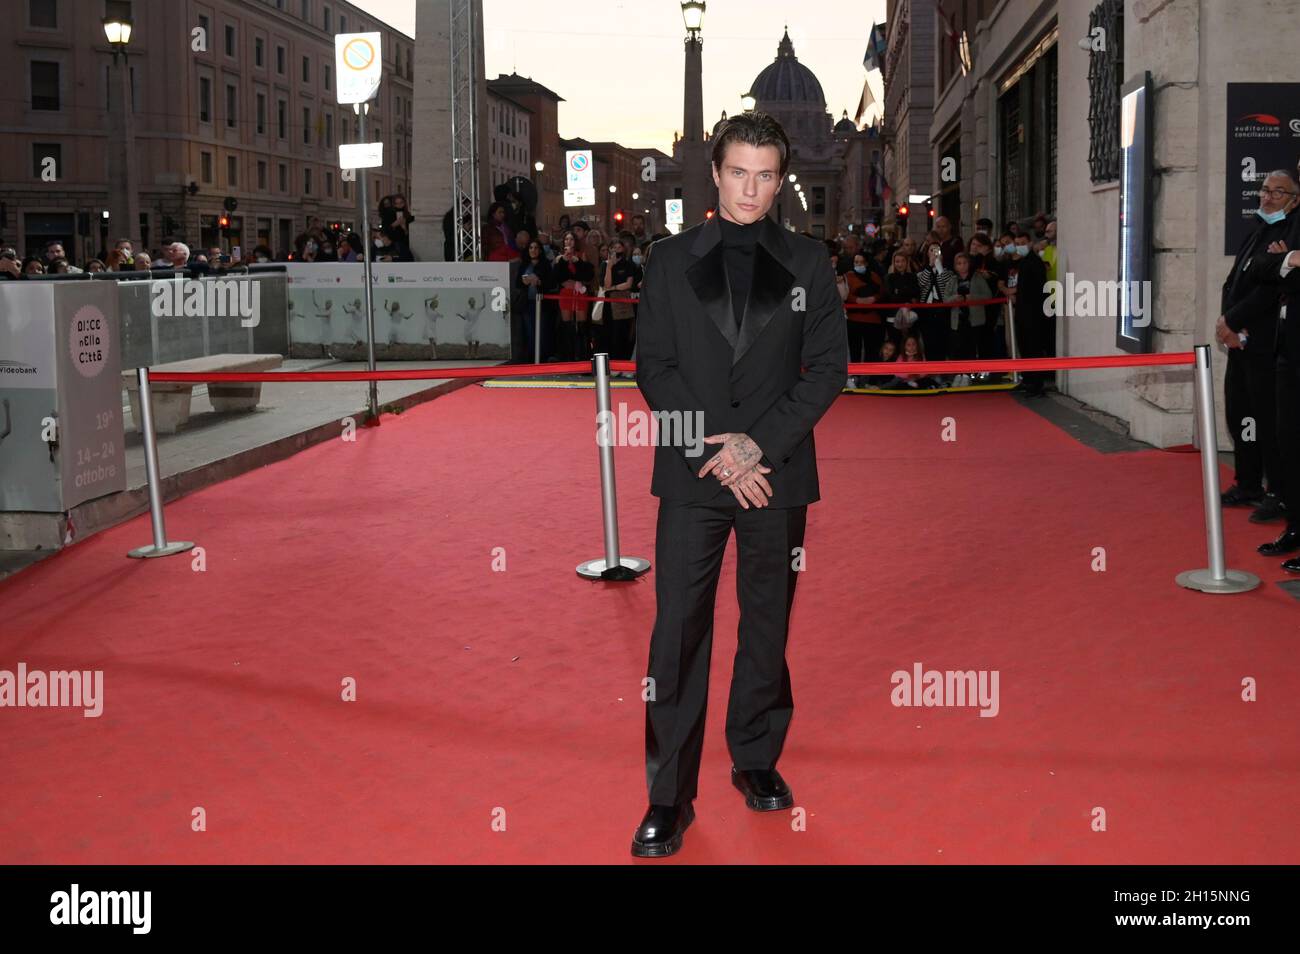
x=929, y=210
x=223, y=222
x=708, y=213
x=618, y=217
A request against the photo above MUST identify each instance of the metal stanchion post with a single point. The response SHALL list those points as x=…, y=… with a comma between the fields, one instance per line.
x=1215, y=579
x=537, y=330
x=614, y=566
x=160, y=546
x=1011, y=334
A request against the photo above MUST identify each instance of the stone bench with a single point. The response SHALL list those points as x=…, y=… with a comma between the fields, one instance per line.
x=171, y=399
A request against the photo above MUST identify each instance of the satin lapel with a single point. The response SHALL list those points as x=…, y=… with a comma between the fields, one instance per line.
x=769, y=288
x=708, y=277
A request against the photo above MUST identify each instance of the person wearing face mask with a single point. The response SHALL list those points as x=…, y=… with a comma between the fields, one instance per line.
x=622, y=279
x=1035, y=331
x=866, y=326
x=1247, y=327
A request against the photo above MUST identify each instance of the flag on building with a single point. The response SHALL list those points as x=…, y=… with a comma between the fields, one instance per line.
x=875, y=55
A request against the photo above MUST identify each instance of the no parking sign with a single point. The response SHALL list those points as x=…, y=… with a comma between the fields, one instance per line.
x=359, y=65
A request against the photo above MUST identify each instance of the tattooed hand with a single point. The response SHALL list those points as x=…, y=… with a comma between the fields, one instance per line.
x=739, y=455
x=753, y=486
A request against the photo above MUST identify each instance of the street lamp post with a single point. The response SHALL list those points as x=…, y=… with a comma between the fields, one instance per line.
x=123, y=188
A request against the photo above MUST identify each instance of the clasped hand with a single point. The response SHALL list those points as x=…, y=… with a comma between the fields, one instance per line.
x=737, y=468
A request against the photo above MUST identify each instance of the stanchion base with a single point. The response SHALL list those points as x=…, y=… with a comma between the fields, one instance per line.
x=147, y=552
x=1234, y=581
x=629, y=568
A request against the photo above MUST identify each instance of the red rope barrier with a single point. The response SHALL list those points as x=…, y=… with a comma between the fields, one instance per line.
x=923, y=304
x=629, y=301
x=584, y=367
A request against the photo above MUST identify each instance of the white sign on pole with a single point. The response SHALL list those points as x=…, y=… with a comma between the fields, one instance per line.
x=575, y=197
x=358, y=66
x=361, y=155
x=673, y=210
x=577, y=165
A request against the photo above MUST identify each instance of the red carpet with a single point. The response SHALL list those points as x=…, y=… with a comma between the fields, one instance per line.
x=517, y=692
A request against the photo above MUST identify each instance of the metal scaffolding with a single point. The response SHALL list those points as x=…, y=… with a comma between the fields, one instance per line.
x=464, y=134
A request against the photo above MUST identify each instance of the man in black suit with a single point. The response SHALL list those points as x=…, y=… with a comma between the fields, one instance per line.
x=741, y=328
x=1279, y=264
x=1249, y=308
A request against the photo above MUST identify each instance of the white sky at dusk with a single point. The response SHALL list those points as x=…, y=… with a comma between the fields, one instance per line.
x=619, y=69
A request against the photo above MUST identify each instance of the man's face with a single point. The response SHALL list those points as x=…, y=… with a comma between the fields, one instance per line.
x=1050, y=233
x=638, y=224
x=1275, y=194
x=54, y=251
x=214, y=253
x=580, y=234
x=943, y=227
x=748, y=181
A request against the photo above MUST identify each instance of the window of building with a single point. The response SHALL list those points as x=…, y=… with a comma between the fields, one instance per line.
x=261, y=174
x=43, y=14
x=284, y=177
x=205, y=166
x=205, y=99
x=343, y=23
x=232, y=96
x=327, y=71
x=1105, y=80
x=259, y=51
x=306, y=125
x=329, y=132
x=232, y=171
x=279, y=60
x=282, y=118
x=44, y=151
x=45, y=85
x=329, y=16
x=230, y=40
x=1027, y=139
x=306, y=69
x=261, y=114
x=329, y=184
x=306, y=180
x=306, y=10
x=206, y=26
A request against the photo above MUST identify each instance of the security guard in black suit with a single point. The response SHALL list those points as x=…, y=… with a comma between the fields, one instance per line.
x=741, y=326
x=1279, y=265
x=1249, y=384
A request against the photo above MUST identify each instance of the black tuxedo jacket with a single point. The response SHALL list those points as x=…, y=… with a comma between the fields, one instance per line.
x=773, y=379
x=1265, y=268
x=1247, y=303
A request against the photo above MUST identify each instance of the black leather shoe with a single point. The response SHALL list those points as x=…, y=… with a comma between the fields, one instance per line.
x=1234, y=496
x=764, y=789
x=1271, y=510
x=1288, y=542
x=1292, y=565
x=660, y=832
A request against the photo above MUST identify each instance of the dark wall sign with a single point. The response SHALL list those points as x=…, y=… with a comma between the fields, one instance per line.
x=1133, y=330
x=1263, y=135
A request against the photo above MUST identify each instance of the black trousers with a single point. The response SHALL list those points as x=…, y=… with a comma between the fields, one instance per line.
x=1250, y=392
x=865, y=339
x=689, y=543
x=1288, y=437
x=1036, y=338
